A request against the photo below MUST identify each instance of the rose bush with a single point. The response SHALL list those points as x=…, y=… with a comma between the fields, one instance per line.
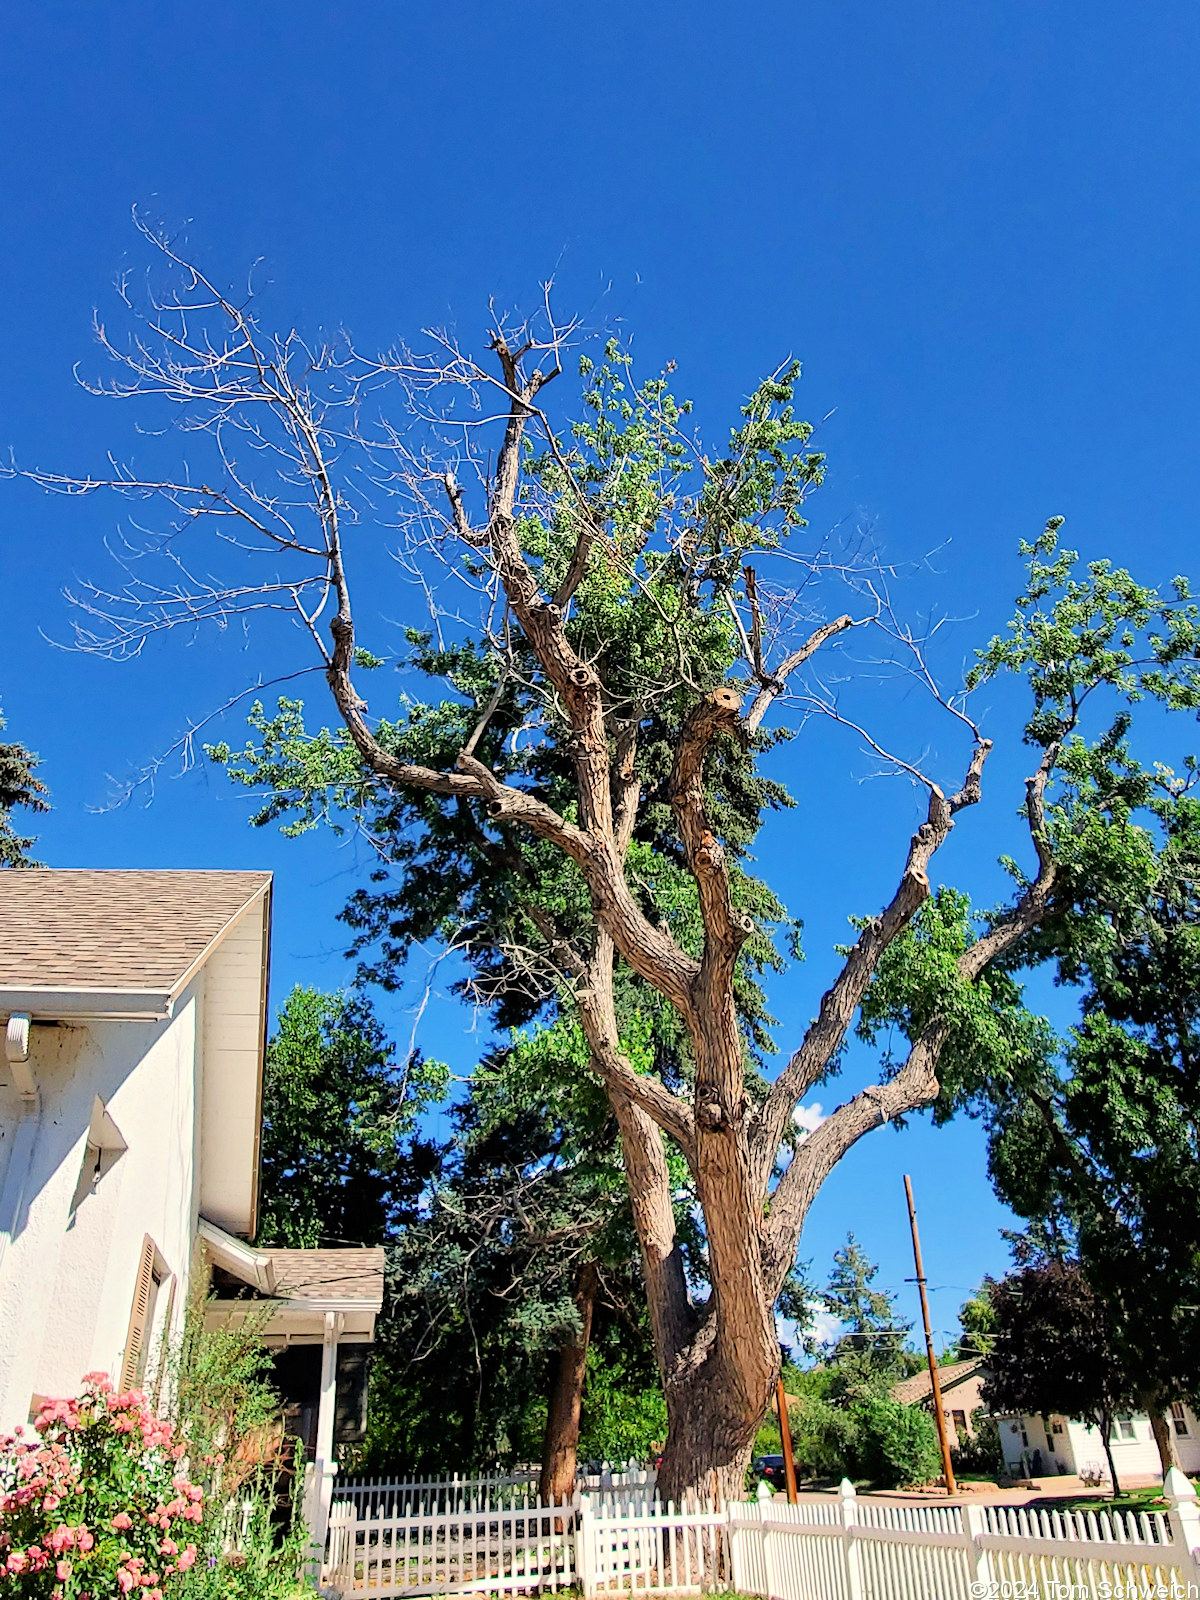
x=95, y=1505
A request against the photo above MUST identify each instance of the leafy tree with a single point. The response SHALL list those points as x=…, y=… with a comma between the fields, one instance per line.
x=1055, y=1350
x=609, y=698
x=18, y=788
x=977, y=1319
x=1092, y=1138
x=340, y=1163
x=524, y=1250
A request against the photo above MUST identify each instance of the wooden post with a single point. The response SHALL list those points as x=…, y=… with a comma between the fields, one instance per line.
x=939, y=1415
x=785, y=1432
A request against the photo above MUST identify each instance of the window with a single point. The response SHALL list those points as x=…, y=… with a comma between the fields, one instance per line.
x=1125, y=1428
x=1058, y=1427
x=1179, y=1418
x=959, y=1418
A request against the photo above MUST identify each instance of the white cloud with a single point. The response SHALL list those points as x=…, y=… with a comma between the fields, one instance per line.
x=808, y=1118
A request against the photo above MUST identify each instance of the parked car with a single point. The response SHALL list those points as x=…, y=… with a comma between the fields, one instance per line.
x=772, y=1469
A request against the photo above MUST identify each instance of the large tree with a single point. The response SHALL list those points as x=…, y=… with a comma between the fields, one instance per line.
x=629, y=628
x=1093, y=1136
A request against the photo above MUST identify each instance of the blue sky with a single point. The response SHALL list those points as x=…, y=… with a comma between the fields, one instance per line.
x=976, y=225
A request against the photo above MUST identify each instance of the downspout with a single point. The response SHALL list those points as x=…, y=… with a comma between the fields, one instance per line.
x=28, y=1130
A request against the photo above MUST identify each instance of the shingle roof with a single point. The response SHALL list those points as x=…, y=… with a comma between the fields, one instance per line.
x=351, y=1273
x=919, y=1386
x=68, y=928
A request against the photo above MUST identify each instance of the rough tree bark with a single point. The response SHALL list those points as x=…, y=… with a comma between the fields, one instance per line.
x=1164, y=1434
x=557, y=1481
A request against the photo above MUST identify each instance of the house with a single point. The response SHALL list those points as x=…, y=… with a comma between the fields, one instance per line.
x=134, y=1009
x=1034, y=1446
x=1055, y=1444
x=960, y=1383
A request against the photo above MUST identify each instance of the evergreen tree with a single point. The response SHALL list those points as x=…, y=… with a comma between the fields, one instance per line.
x=18, y=788
x=868, y=1351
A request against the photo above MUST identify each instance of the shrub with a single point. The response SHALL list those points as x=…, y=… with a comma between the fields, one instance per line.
x=895, y=1444
x=983, y=1452
x=96, y=1504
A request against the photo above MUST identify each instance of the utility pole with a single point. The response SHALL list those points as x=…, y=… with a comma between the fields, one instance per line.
x=785, y=1433
x=939, y=1415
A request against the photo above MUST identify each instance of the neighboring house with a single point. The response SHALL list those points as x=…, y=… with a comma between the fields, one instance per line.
x=960, y=1383
x=134, y=1011
x=1045, y=1446
x=1034, y=1446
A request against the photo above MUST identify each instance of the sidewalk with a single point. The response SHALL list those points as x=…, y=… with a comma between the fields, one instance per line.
x=1046, y=1491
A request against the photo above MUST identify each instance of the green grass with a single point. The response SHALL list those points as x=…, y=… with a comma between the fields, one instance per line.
x=1148, y=1499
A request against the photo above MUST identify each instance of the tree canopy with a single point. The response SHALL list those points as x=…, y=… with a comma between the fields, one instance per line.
x=618, y=605
x=342, y=1160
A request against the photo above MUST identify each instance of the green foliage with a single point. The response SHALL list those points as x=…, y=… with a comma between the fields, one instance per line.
x=982, y=1455
x=624, y=1414
x=481, y=1284
x=18, y=788
x=823, y=1429
x=978, y=1320
x=894, y=1444
x=339, y=1160
x=1074, y=634
x=228, y=1412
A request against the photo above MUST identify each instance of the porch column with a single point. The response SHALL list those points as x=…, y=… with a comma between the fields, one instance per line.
x=324, y=1466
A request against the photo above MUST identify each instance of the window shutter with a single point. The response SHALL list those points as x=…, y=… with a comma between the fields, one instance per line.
x=134, y=1363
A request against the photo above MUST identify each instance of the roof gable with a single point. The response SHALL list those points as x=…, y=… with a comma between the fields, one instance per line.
x=78, y=942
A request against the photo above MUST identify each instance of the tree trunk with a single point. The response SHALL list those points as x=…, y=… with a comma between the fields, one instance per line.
x=1164, y=1436
x=710, y=1438
x=1106, y=1428
x=566, y=1398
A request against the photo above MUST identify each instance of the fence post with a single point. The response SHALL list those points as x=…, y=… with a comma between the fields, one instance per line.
x=978, y=1556
x=1185, y=1518
x=851, y=1555
x=585, y=1567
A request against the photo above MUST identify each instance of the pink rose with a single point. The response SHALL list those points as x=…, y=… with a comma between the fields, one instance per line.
x=62, y=1569
x=187, y=1558
x=121, y=1521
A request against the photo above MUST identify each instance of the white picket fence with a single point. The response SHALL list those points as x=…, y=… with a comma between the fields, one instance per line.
x=396, y=1497
x=825, y=1547
x=519, y=1548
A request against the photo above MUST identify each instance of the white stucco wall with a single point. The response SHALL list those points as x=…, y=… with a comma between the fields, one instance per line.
x=66, y=1286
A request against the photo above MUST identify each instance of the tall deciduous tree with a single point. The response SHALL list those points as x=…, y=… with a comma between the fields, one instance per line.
x=19, y=789
x=627, y=615
x=1093, y=1137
